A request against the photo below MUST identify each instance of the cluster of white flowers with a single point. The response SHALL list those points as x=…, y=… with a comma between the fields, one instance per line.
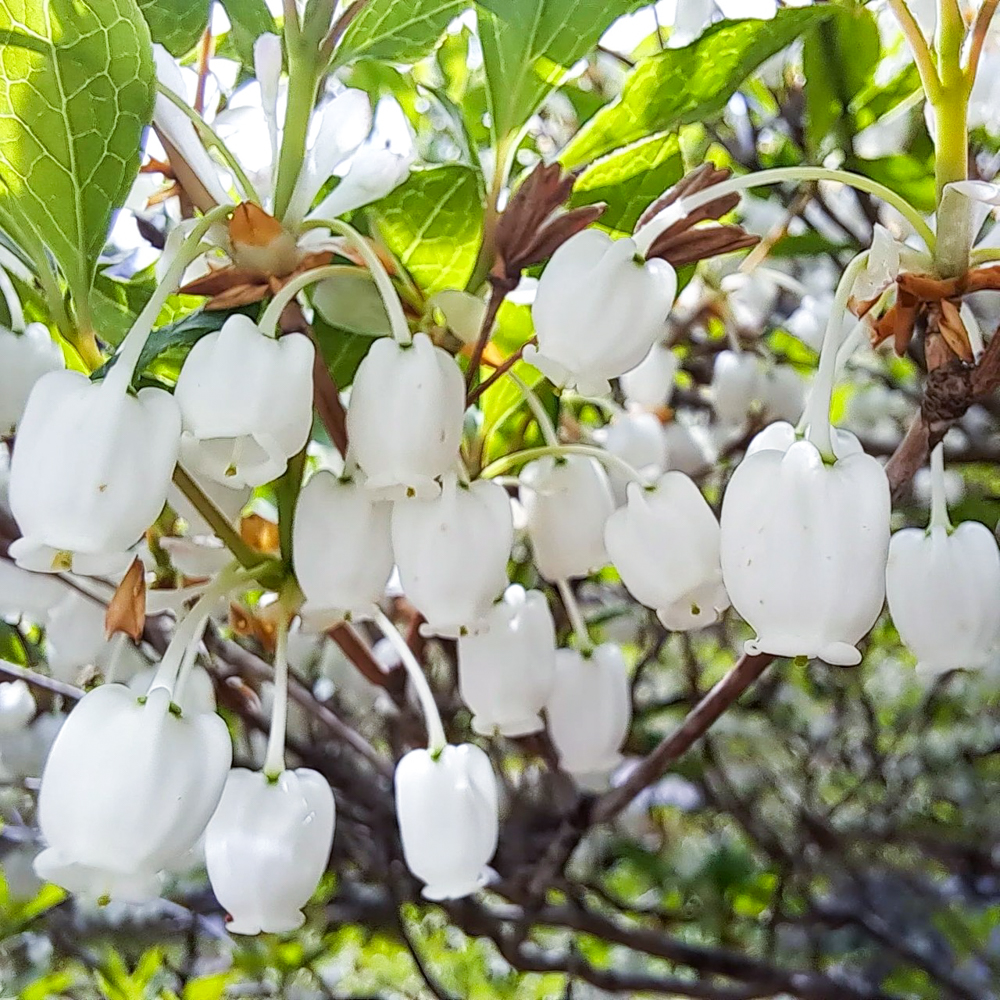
x=141, y=773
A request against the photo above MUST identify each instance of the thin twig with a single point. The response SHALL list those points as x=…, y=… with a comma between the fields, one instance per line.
x=50, y=684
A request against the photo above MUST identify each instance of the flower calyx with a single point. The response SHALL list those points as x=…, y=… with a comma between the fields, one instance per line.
x=532, y=228
x=687, y=242
x=938, y=302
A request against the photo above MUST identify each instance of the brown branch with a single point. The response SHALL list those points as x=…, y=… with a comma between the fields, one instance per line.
x=497, y=294
x=40, y=681
x=499, y=372
x=242, y=662
x=674, y=746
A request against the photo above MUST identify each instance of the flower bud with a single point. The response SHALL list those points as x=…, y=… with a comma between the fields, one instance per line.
x=665, y=545
x=128, y=788
x=404, y=420
x=246, y=402
x=90, y=472
x=943, y=589
x=24, y=359
x=505, y=673
x=452, y=553
x=567, y=502
x=448, y=818
x=651, y=383
x=17, y=706
x=341, y=547
x=737, y=385
x=589, y=711
x=598, y=310
x=804, y=547
x=267, y=846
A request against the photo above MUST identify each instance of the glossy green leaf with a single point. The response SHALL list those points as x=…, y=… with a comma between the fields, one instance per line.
x=76, y=92
x=342, y=350
x=433, y=224
x=529, y=44
x=839, y=59
x=630, y=180
x=176, y=24
x=249, y=19
x=684, y=85
x=397, y=32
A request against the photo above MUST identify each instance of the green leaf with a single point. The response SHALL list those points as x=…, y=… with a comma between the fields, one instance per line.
x=341, y=349
x=397, y=32
x=908, y=175
x=249, y=19
x=629, y=180
x=176, y=24
x=678, y=86
x=76, y=92
x=839, y=60
x=433, y=224
x=529, y=44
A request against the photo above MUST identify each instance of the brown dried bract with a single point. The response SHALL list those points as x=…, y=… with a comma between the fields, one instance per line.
x=938, y=300
x=230, y=286
x=531, y=228
x=260, y=533
x=127, y=608
x=682, y=243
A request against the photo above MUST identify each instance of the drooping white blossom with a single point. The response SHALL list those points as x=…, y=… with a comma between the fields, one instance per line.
x=598, y=310
x=246, y=403
x=505, y=672
x=447, y=808
x=267, y=846
x=404, y=420
x=128, y=788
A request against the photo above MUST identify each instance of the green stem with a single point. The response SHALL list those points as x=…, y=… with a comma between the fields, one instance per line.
x=609, y=461
x=303, y=83
x=436, y=739
x=817, y=412
x=135, y=340
x=397, y=318
x=216, y=519
x=645, y=236
x=268, y=323
x=576, y=618
x=189, y=628
x=918, y=45
x=545, y=425
x=211, y=140
x=939, y=499
x=487, y=247
x=274, y=758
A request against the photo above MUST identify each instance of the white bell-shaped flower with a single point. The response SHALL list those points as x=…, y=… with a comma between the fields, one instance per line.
x=651, y=383
x=738, y=382
x=452, y=553
x=448, y=815
x=246, y=402
x=75, y=638
x=267, y=846
x=405, y=417
x=804, y=545
x=31, y=594
x=567, y=501
x=598, y=310
x=943, y=589
x=90, y=472
x=24, y=359
x=341, y=547
x=17, y=706
x=665, y=545
x=589, y=711
x=129, y=786
x=505, y=673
